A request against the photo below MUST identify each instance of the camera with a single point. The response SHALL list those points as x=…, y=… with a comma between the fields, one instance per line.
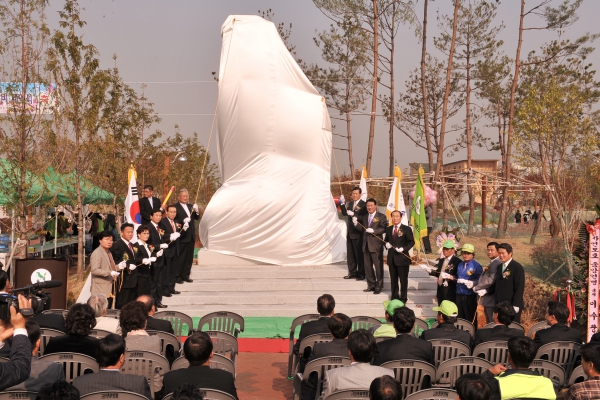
x=40, y=301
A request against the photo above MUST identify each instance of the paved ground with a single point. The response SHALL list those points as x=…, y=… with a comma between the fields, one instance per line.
x=261, y=376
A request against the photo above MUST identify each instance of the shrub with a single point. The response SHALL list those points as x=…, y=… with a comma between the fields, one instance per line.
x=550, y=257
x=536, y=297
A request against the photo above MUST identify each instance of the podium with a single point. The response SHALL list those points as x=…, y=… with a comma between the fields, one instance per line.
x=30, y=270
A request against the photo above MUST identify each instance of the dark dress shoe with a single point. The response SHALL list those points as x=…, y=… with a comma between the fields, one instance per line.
x=377, y=291
x=189, y=280
x=175, y=292
x=369, y=289
x=349, y=276
x=360, y=278
x=167, y=295
x=160, y=305
x=180, y=281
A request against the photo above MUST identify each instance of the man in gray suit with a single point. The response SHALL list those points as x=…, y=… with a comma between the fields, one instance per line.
x=487, y=279
x=360, y=374
x=111, y=356
x=42, y=372
x=372, y=225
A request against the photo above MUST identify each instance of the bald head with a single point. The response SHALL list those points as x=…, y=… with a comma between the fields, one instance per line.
x=148, y=304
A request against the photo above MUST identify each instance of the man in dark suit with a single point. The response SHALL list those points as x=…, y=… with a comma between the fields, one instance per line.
x=17, y=369
x=557, y=315
x=111, y=357
x=161, y=325
x=444, y=272
x=50, y=321
x=354, y=253
x=188, y=214
x=447, y=315
x=198, y=350
x=403, y=346
x=148, y=205
x=487, y=279
x=122, y=252
x=399, y=240
x=509, y=284
x=159, y=241
x=169, y=226
x=326, y=308
x=503, y=316
x=372, y=225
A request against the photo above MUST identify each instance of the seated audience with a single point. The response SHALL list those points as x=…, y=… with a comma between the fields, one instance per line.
x=590, y=361
x=557, y=315
x=404, y=346
x=472, y=387
x=133, y=319
x=387, y=329
x=60, y=390
x=42, y=371
x=503, y=316
x=5, y=286
x=359, y=375
x=519, y=382
x=447, y=317
x=50, y=321
x=99, y=304
x=198, y=350
x=110, y=357
x=326, y=308
x=385, y=388
x=154, y=324
x=79, y=322
x=188, y=391
x=17, y=368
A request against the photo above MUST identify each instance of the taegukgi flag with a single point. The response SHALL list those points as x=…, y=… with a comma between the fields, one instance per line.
x=132, y=204
x=396, y=200
x=363, y=184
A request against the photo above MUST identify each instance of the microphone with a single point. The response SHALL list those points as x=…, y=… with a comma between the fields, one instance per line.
x=40, y=285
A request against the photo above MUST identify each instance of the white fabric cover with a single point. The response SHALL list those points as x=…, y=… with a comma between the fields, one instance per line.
x=274, y=149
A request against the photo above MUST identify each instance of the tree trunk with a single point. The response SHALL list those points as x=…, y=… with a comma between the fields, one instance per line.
x=538, y=221
x=375, y=83
x=349, y=133
x=392, y=105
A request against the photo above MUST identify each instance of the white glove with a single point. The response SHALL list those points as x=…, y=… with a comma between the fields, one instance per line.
x=350, y=213
x=482, y=292
x=445, y=284
x=164, y=246
x=425, y=267
x=195, y=207
x=175, y=236
x=469, y=284
x=370, y=230
x=186, y=220
x=516, y=309
x=342, y=201
x=153, y=259
x=132, y=267
x=388, y=245
x=399, y=249
x=122, y=264
x=114, y=273
x=446, y=275
x=186, y=226
x=159, y=253
x=355, y=221
x=145, y=261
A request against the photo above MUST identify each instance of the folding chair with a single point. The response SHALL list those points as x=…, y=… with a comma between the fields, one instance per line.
x=74, y=364
x=349, y=394
x=166, y=339
x=207, y=394
x=112, y=394
x=513, y=325
x=319, y=366
x=565, y=354
x=445, y=349
x=225, y=321
x=45, y=335
x=550, y=370
x=411, y=374
x=538, y=326
x=99, y=333
x=434, y=394
x=110, y=313
x=224, y=344
x=18, y=394
x=310, y=341
x=182, y=363
x=449, y=370
x=419, y=327
x=362, y=322
x=577, y=376
x=461, y=324
x=177, y=320
x=56, y=311
x=494, y=352
x=383, y=338
x=145, y=363
x=292, y=358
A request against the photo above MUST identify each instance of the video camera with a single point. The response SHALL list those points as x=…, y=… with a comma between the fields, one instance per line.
x=40, y=301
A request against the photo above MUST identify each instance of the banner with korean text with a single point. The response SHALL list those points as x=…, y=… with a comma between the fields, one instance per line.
x=594, y=231
x=37, y=99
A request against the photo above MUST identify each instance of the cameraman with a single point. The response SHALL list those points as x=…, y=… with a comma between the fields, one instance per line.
x=18, y=368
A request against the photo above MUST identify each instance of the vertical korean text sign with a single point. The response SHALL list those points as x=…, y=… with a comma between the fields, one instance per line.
x=594, y=231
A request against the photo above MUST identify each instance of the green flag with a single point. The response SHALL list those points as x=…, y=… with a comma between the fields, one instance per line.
x=417, y=214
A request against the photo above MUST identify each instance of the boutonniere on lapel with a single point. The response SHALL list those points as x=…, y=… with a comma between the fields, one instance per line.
x=151, y=248
x=449, y=268
x=135, y=250
x=506, y=274
x=178, y=225
x=470, y=272
x=375, y=220
x=486, y=267
x=161, y=232
x=357, y=208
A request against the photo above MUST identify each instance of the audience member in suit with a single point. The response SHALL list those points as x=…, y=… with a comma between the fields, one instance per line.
x=354, y=253
x=188, y=391
x=509, y=284
x=385, y=388
x=133, y=319
x=198, y=350
x=170, y=227
x=399, y=240
x=159, y=241
x=60, y=390
x=42, y=372
x=387, y=329
x=590, y=361
x=446, y=318
x=17, y=369
x=188, y=214
x=557, y=315
x=50, y=321
x=339, y=326
x=124, y=258
x=5, y=286
x=472, y=387
x=148, y=204
x=80, y=321
x=487, y=279
x=444, y=271
x=359, y=375
x=161, y=325
x=503, y=316
x=144, y=259
x=326, y=308
x=99, y=304
x=110, y=357
x=404, y=346
x=372, y=225
x=102, y=265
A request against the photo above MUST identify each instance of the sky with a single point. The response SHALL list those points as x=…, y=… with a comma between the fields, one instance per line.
x=174, y=46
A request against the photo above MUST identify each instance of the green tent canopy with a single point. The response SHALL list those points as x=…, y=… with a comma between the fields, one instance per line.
x=91, y=194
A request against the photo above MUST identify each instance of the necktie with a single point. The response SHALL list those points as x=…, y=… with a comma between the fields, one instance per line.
x=150, y=200
x=130, y=246
x=354, y=206
x=395, y=232
x=370, y=219
x=444, y=265
x=172, y=225
x=503, y=266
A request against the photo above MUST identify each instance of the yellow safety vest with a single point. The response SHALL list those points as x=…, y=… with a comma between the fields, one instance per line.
x=525, y=384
